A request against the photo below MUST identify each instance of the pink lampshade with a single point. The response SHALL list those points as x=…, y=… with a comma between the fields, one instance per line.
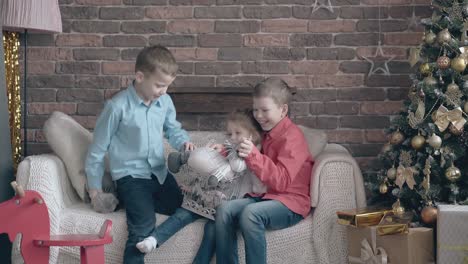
x=33, y=15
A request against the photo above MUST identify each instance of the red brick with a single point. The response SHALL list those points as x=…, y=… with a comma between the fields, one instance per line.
x=194, y=54
x=266, y=40
x=375, y=136
x=325, y=26
x=173, y=40
x=145, y=2
x=98, y=2
x=169, y=12
x=124, y=41
x=239, y=54
x=381, y=108
x=356, y=39
x=96, y=54
x=97, y=82
x=364, y=122
x=118, y=67
x=403, y=39
x=78, y=12
x=284, y=26
x=41, y=67
x=308, y=121
x=272, y=67
x=193, y=81
x=299, y=108
x=121, y=13
x=220, y=40
x=43, y=53
x=50, y=81
x=86, y=121
x=78, y=67
x=80, y=40
x=85, y=26
x=217, y=68
x=266, y=12
x=316, y=94
x=48, y=108
x=241, y=81
x=386, y=2
x=311, y=40
x=345, y=136
x=110, y=92
x=323, y=80
x=314, y=67
x=399, y=53
x=327, y=122
x=221, y=12
x=341, y=108
x=89, y=108
x=42, y=95
x=190, y=26
x=143, y=27
x=80, y=95
x=296, y=81
x=243, y=26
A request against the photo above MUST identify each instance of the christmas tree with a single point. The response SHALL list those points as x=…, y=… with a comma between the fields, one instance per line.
x=425, y=161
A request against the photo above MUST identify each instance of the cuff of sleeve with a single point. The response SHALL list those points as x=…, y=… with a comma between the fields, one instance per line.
x=253, y=156
x=94, y=183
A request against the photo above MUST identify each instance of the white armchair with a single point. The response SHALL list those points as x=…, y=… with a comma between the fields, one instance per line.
x=337, y=184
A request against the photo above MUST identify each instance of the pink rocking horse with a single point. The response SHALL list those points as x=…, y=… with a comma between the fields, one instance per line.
x=27, y=213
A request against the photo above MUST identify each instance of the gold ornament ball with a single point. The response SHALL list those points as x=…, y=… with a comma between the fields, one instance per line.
x=391, y=173
x=425, y=68
x=453, y=173
x=443, y=62
x=453, y=87
x=383, y=188
x=417, y=142
x=465, y=107
x=430, y=81
x=454, y=131
x=458, y=64
x=397, y=137
x=398, y=210
x=435, y=141
x=429, y=215
x=430, y=38
x=443, y=36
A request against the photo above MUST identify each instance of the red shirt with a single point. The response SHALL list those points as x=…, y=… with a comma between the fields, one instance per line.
x=284, y=165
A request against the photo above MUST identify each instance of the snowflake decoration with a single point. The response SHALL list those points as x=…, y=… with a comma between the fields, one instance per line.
x=405, y=158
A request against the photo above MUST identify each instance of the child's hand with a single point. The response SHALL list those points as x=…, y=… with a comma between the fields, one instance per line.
x=93, y=193
x=217, y=147
x=189, y=146
x=245, y=147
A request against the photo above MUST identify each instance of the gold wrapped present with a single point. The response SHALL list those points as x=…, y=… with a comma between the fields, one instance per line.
x=392, y=224
x=360, y=217
x=365, y=246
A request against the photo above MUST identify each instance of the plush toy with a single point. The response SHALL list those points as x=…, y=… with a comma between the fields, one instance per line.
x=104, y=203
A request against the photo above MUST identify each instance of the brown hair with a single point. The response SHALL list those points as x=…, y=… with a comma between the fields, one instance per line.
x=156, y=58
x=275, y=88
x=246, y=119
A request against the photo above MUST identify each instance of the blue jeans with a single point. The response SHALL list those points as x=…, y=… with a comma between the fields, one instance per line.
x=142, y=198
x=207, y=247
x=252, y=216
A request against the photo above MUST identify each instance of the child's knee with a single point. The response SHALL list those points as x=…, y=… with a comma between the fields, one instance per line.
x=250, y=218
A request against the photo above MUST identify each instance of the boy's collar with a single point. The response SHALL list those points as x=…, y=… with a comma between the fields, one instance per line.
x=136, y=98
x=280, y=128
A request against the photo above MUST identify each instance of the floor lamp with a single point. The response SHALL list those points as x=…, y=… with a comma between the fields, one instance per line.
x=17, y=16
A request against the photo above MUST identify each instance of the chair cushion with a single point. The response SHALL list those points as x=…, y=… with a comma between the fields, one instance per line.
x=70, y=141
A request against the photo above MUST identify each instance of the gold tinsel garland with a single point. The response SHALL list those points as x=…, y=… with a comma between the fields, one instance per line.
x=11, y=46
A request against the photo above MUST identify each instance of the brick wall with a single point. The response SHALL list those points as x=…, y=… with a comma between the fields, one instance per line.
x=230, y=44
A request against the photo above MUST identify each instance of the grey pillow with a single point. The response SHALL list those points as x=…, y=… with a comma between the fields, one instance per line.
x=70, y=141
x=316, y=139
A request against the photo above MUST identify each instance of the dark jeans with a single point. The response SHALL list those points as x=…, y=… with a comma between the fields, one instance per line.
x=142, y=198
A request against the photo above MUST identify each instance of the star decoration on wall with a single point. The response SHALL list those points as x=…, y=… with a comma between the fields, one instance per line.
x=379, y=62
x=414, y=21
x=322, y=4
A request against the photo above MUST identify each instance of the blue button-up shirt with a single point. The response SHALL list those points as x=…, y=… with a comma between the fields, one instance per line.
x=132, y=135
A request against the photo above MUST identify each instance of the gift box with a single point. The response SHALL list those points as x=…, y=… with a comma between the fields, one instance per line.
x=393, y=224
x=414, y=247
x=452, y=234
x=360, y=217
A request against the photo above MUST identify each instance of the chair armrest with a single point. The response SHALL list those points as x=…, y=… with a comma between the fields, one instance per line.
x=47, y=175
x=337, y=184
x=329, y=162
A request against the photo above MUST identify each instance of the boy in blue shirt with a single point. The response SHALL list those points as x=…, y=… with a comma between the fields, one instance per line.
x=131, y=129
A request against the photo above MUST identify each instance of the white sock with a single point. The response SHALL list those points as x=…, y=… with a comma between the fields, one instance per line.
x=147, y=245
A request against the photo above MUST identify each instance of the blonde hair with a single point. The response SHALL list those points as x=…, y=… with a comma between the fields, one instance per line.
x=275, y=88
x=156, y=58
x=246, y=119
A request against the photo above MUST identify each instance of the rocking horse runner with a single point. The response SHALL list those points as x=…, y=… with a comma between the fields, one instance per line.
x=36, y=238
